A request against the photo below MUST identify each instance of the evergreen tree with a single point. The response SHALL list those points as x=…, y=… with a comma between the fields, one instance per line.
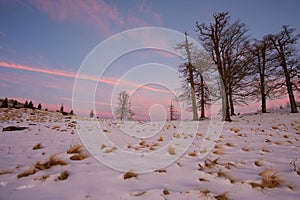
x=30, y=104
x=4, y=103
x=39, y=106
x=15, y=103
x=26, y=104
x=62, y=108
x=92, y=114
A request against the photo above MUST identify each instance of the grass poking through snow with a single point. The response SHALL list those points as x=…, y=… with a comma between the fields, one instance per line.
x=129, y=175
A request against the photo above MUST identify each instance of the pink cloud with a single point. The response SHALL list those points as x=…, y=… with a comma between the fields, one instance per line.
x=70, y=74
x=100, y=14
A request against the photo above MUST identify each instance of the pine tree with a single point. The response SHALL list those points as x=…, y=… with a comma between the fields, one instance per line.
x=30, y=104
x=92, y=114
x=15, y=103
x=4, y=103
x=62, y=108
x=26, y=104
x=39, y=106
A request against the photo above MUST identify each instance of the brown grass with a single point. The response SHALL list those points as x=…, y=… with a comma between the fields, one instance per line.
x=228, y=165
x=298, y=171
x=246, y=149
x=160, y=138
x=264, y=149
x=63, y=176
x=258, y=163
x=223, y=196
x=193, y=154
x=2, y=172
x=130, y=174
x=166, y=192
x=218, y=152
x=42, y=178
x=226, y=176
x=28, y=172
x=235, y=130
x=37, y=146
x=76, y=148
x=79, y=156
x=161, y=171
x=229, y=144
x=269, y=179
x=203, y=180
x=171, y=150
x=52, y=161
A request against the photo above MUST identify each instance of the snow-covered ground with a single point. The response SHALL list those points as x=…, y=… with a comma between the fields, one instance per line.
x=256, y=157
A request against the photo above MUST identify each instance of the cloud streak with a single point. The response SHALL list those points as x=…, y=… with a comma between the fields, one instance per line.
x=69, y=74
x=98, y=13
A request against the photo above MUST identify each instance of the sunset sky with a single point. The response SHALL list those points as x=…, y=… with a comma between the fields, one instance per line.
x=44, y=42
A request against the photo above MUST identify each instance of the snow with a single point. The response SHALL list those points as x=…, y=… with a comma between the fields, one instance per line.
x=247, y=146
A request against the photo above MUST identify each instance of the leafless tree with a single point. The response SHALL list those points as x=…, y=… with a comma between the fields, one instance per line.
x=123, y=110
x=266, y=83
x=227, y=43
x=286, y=53
x=189, y=68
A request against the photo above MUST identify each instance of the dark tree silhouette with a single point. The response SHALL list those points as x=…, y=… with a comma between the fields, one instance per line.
x=284, y=44
x=39, y=106
x=4, y=103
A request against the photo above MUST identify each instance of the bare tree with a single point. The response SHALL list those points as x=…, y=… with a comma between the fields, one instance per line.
x=190, y=69
x=265, y=81
x=201, y=90
x=123, y=110
x=284, y=45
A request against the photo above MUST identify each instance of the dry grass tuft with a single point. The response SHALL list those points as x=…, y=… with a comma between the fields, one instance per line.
x=160, y=138
x=229, y=144
x=161, y=171
x=192, y=154
x=79, y=156
x=269, y=179
x=218, y=152
x=171, y=150
x=76, y=148
x=264, y=149
x=223, y=196
x=2, y=172
x=52, y=161
x=226, y=176
x=109, y=150
x=246, y=149
x=138, y=194
x=42, y=178
x=166, y=192
x=37, y=146
x=235, y=130
x=130, y=174
x=63, y=176
x=203, y=180
x=228, y=165
x=258, y=163
x=28, y=172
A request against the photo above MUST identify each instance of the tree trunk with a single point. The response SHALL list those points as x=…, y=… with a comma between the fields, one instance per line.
x=193, y=96
x=202, y=101
x=288, y=81
x=231, y=103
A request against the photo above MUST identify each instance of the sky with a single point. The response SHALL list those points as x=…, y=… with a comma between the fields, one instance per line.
x=43, y=44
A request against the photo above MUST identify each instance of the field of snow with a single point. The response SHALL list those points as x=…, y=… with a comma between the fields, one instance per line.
x=256, y=157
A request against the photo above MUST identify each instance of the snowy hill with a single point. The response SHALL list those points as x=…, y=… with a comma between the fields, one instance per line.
x=256, y=157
